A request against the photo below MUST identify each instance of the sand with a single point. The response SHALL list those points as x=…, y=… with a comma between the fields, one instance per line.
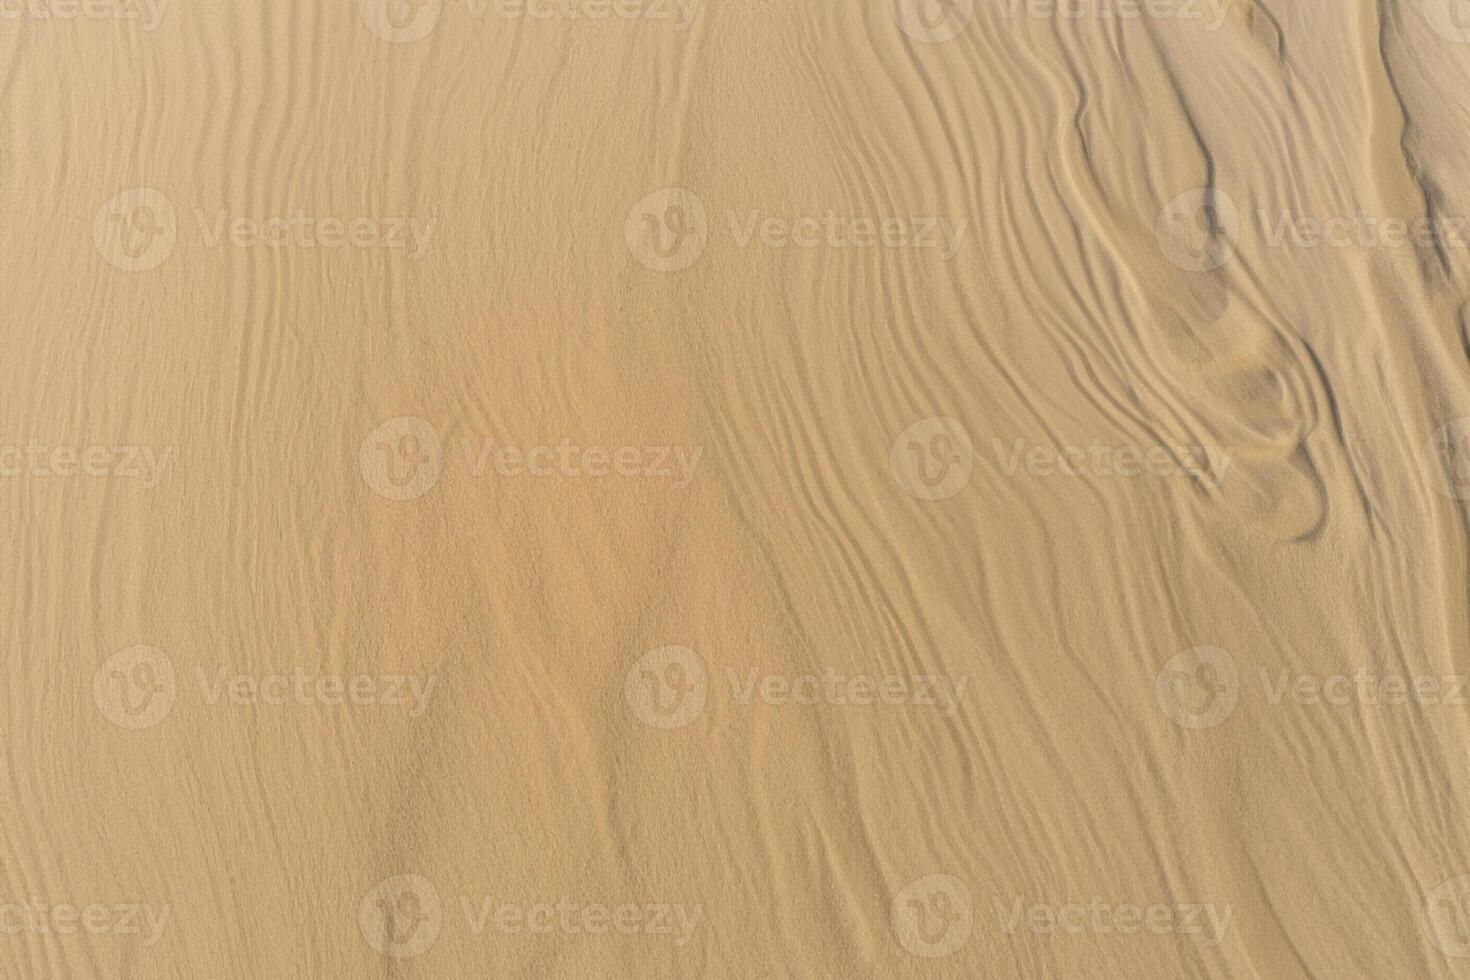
x=760, y=489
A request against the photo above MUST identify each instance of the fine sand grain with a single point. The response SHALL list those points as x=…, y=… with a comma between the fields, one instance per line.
x=735, y=488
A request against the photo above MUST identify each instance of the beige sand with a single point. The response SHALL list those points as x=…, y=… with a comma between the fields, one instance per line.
x=748, y=489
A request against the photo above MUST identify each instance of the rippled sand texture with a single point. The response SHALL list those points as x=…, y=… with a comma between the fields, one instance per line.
x=849, y=650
